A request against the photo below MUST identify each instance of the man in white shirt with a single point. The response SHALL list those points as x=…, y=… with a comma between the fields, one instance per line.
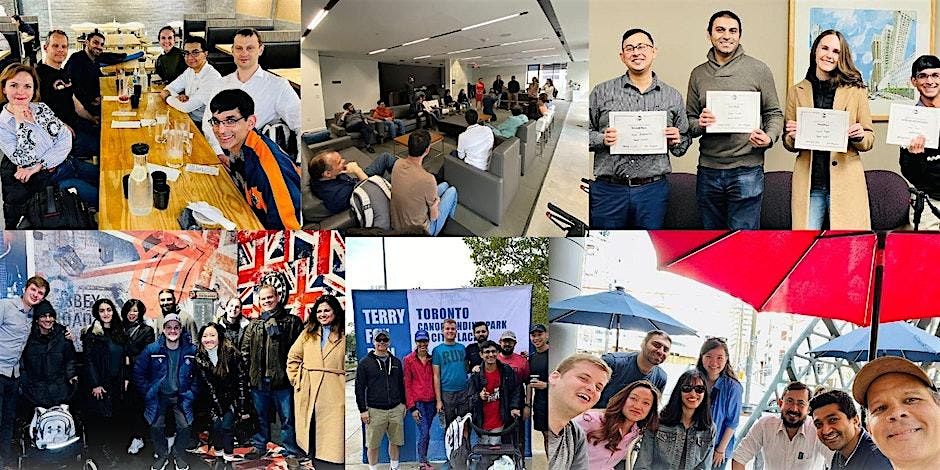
x=191, y=91
x=787, y=441
x=475, y=144
x=273, y=95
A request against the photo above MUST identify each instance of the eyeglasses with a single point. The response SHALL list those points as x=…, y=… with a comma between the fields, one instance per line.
x=381, y=340
x=699, y=389
x=488, y=351
x=924, y=76
x=192, y=53
x=227, y=123
x=642, y=47
x=172, y=328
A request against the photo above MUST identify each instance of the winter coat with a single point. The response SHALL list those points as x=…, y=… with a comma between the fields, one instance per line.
x=47, y=364
x=151, y=370
x=264, y=348
x=138, y=339
x=319, y=379
x=234, y=333
x=228, y=393
x=98, y=370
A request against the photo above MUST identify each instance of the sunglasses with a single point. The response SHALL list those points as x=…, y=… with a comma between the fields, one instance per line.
x=699, y=389
x=381, y=340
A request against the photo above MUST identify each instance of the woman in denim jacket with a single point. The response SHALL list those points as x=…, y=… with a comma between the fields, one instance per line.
x=686, y=432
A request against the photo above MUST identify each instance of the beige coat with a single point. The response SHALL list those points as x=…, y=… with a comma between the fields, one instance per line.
x=319, y=380
x=848, y=208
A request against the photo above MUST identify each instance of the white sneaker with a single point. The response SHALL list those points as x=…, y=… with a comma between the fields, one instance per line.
x=136, y=444
x=232, y=457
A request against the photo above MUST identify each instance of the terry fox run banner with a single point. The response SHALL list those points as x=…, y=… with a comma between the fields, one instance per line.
x=403, y=312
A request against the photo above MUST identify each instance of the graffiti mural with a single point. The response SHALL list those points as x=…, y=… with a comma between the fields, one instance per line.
x=301, y=265
x=13, y=267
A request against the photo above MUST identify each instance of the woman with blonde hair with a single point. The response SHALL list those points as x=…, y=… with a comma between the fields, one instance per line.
x=830, y=185
x=315, y=367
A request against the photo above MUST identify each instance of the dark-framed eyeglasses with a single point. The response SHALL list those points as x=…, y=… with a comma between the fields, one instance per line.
x=924, y=76
x=642, y=47
x=228, y=123
x=192, y=53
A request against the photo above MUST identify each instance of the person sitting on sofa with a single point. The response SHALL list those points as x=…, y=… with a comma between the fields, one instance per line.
x=474, y=144
x=462, y=100
x=508, y=128
x=448, y=99
x=354, y=121
x=417, y=199
x=333, y=179
x=489, y=103
x=385, y=115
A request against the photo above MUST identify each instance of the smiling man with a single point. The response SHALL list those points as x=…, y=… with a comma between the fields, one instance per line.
x=83, y=70
x=643, y=365
x=191, y=91
x=920, y=165
x=787, y=441
x=903, y=411
x=380, y=397
x=730, y=176
x=631, y=191
x=260, y=169
x=575, y=386
x=839, y=428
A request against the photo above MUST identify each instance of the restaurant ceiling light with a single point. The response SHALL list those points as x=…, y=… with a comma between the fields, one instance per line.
x=538, y=50
x=421, y=57
x=458, y=52
x=520, y=42
x=378, y=51
x=509, y=17
x=471, y=58
x=502, y=60
x=415, y=42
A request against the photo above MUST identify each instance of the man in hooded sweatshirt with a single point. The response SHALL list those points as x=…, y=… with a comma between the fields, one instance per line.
x=380, y=396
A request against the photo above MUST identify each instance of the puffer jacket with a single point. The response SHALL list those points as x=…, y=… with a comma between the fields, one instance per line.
x=151, y=369
x=47, y=364
x=228, y=393
x=265, y=344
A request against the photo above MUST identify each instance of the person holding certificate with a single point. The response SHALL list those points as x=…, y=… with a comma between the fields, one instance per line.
x=830, y=184
x=730, y=176
x=921, y=165
x=631, y=163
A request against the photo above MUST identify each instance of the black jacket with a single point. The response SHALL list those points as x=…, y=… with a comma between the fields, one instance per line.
x=47, y=364
x=922, y=170
x=223, y=393
x=510, y=393
x=379, y=388
x=99, y=371
x=512, y=86
x=265, y=344
x=138, y=339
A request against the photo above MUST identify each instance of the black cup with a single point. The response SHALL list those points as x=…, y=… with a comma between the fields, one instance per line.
x=161, y=196
x=135, y=101
x=126, y=178
x=137, y=90
x=159, y=178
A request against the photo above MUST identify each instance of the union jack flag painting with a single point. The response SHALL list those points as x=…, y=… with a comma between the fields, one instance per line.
x=301, y=265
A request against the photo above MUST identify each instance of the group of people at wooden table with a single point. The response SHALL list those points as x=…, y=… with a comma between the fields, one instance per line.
x=62, y=117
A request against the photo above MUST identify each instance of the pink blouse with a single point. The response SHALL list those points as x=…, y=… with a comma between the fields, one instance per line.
x=598, y=455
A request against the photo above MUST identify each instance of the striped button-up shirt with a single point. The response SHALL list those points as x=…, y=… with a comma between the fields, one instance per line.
x=620, y=94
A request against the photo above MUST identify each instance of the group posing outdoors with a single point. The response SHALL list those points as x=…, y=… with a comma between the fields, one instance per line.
x=494, y=384
x=829, y=187
x=600, y=408
x=50, y=125
x=142, y=382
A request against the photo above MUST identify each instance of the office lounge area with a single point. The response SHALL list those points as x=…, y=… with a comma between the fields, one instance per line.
x=404, y=56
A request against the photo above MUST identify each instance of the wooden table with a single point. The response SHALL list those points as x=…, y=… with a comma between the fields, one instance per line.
x=128, y=66
x=433, y=162
x=117, y=161
x=226, y=48
x=292, y=75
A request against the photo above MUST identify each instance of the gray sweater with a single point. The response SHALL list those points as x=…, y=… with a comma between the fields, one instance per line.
x=741, y=73
x=568, y=450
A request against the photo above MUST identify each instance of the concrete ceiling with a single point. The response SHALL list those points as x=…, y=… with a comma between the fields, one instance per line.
x=353, y=28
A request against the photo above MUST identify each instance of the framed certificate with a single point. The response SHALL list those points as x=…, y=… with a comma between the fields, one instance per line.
x=906, y=122
x=639, y=132
x=736, y=112
x=822, y=129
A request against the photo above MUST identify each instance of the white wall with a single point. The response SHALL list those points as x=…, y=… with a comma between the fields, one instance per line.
x=359, y=83
x=578, y=72
x=456, y=76
x=311, y=93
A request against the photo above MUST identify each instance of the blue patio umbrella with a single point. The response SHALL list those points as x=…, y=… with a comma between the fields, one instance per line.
x=614, y=309
x=894, y=339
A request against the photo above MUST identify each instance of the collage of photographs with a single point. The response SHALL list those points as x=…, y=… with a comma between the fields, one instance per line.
x=470, y=235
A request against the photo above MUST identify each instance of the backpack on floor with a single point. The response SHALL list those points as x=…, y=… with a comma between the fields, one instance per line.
x=52, y=427
x=56, y=209
x=371, y=203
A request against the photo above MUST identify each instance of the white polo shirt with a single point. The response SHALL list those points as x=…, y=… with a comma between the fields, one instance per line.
x=804, y=452
x=273, y=96
x=199, y=87
x=474, y=146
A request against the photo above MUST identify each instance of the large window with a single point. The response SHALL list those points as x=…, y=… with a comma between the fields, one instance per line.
x=558, y=73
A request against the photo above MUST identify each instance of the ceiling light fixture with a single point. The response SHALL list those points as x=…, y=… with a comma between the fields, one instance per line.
x=458, y=52
x=467, y=28
x=317, y=19
x=415, y=42
x=470, y=58
x=521, y=42
x=421, y=57
x=539, y=50
x=378, y=51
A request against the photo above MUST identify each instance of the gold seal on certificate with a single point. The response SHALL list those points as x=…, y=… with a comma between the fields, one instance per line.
x=822, y=129
x=906, y=122
x=736, y=112
x=638, y=132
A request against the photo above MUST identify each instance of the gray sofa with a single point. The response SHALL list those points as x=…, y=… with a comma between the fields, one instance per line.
x=487, y=193
x=409, y=124
x=528, y=144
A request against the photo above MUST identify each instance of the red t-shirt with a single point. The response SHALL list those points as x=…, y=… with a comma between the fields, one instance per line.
x=481, y=89
x=491, y=414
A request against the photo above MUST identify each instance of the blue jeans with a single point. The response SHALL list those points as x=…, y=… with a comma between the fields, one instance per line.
x=78, y=174
x=446, y=207
x=730, y=199
x=381, y=166
x=620, y=207
x=282, y=401
x=368, y=133
x=158, y=432
x=8, y=392
x=395, y=127
x=818, y=209
x=87, y=140
x=427, y=409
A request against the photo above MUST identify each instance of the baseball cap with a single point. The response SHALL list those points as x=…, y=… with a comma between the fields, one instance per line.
x=885, y=365
x=172, y=317
x=508, y=335
x=538, y=327
x=422, y=335
x=381, y=333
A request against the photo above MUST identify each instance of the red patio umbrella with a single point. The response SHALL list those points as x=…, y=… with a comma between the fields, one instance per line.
x=862, y=277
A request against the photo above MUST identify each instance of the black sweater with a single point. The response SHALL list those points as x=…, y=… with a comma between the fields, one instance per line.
x=377, y=386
